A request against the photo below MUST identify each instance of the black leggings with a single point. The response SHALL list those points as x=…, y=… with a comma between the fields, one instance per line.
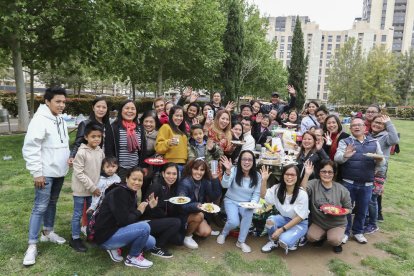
x=166, y=230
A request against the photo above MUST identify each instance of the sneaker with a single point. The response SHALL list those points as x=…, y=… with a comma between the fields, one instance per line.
x=221, y=239
x=52, y=237
x=285, y=246
x=189, y=242
x=337, y=249
x=83, y=231
x=78, y=245
x=115, y=255
x=345, y=239
x=370, y=229
x=30, y=255
x=269, y=246
x=244, y=247
x=303, y=241
x=160, y=252
x=215, y=233
x=138, y=261
x=380, y=217
x=360, y=238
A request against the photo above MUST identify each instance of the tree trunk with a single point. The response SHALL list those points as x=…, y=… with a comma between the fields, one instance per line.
x=133, y=90
x=22, y=110
x=31, y=72
x=159, y=83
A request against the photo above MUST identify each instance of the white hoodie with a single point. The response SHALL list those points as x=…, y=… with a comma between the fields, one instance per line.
x=46, y=145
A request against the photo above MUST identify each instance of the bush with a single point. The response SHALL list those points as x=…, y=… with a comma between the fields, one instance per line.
x=76, y=106
x=405, y=112
x=346, y=110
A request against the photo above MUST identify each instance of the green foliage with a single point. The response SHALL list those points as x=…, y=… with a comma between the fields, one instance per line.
x=344, y=80
x=346, y=110
x=406, y=112
x=339, y=267
x=298, y=64
x=405, y=77
x=233, y=43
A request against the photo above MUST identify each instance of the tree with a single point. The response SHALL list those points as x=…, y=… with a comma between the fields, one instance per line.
x=345, y=74
x=298, y=64
x=405, y=76
x=233, y=43
x=378, y=77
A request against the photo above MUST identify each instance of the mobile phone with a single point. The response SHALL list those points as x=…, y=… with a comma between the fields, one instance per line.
x=210, y=114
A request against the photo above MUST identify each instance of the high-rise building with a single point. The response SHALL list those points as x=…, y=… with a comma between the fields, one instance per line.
x=395, y=14
x=320, y=46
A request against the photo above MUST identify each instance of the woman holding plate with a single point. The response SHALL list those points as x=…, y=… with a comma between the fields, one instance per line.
x=200, y=186
x=243, y=186
x=326, y=224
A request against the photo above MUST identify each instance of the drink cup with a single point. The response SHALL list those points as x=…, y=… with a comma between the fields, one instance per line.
x=213, y=165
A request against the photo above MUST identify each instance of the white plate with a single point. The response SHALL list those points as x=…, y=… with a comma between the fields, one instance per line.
x=250, y=205
x=238, y=142
x=179, y=200
x=290, y=124
x=215, y=207
x=285, y=163
x=373, y=155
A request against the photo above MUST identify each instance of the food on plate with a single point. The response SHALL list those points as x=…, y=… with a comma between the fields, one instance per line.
x=181, y=200
x=331, y=209
x=238, y=142
x=208, y=207
x=155, y=160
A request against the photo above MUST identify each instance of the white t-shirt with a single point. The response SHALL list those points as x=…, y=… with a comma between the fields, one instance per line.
x=299, y=208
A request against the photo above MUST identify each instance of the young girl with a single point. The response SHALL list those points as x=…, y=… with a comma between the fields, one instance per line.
x=86, y=168
x=243, y=185
x=172, y=139
x=107, y=178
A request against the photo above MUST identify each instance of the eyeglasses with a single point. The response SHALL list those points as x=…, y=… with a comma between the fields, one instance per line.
x=378, y=123
x=247, y=160
x=357, y=125
x=290, y=174
x=372, y=112
x=327, y=172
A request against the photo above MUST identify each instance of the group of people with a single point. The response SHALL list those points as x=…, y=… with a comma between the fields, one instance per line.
x=210, y=157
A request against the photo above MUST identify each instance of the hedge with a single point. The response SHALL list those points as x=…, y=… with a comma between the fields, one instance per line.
x=403, y=112
x=406, y=112
x=75, y=106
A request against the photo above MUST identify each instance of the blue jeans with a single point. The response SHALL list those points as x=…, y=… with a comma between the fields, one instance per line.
x=78, y=203
x=233, y=210
x=292, y=235
x=44, y=207
x=360, y=197
x=137, y=235
x=373, y=210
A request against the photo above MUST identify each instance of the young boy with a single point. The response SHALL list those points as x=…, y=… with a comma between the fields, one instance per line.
x=200, y=147
x=46, y=152
x=86, y=171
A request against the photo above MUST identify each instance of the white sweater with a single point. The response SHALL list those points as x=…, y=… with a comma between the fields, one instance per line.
x=46, y=145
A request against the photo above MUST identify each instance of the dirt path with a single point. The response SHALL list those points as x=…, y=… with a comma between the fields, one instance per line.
x=307, y=260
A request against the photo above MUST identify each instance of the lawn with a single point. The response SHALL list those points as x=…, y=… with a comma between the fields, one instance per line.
x=396, y=240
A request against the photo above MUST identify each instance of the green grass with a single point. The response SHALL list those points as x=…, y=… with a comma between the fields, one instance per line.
x=16, y=197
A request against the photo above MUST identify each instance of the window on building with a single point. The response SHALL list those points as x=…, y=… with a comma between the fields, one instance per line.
x=281, y=54
x=282, y=39
x=280, y=24
x=383, y=38
x=329, y=38
x=282, y=46
x=289, y=38
x=337, y=46
x=338, y=38
x=325, y=96
x=329, y=47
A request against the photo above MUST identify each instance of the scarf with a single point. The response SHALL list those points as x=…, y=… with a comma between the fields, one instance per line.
x=132, y=141
x=334, y=145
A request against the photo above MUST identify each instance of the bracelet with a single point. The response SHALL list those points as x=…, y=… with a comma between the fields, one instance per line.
x=284, y=229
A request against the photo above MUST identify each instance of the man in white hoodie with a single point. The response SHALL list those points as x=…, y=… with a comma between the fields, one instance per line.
x=46, y=151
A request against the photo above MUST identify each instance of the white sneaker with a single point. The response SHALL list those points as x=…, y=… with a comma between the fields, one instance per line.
x=269, y=246
x=360, y=238
x=244, y=247
x=215, y=233
x=221, y=239
x=138, y=261
x=83, y=231
x=189, y=242
x=345, y=238
x=52, y=237
x=30, y=255
x=285, y=246
x=115, y=255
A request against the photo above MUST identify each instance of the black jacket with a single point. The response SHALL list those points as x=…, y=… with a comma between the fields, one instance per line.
x=260, y=137
x=163, y=192
x=118, y=209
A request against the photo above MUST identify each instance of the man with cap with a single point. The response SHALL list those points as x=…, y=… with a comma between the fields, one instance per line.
x=278, y=105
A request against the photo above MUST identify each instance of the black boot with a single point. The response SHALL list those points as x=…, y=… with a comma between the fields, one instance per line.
x=78, y=245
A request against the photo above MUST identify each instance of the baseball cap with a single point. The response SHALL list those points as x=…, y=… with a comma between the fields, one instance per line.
x=275, y=94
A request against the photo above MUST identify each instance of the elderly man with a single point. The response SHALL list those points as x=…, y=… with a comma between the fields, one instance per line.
x=358, y=168
x=278, y=105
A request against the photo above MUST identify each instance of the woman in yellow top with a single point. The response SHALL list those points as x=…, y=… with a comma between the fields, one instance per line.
x=172, y=139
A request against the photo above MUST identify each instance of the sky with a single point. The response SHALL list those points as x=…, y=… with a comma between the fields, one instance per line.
x=329, y=14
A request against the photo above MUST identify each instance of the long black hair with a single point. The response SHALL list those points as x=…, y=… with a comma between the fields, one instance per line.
x=281, y=192
x=119, y=119
x=105, y=118
x=176, y=129
x=164, y=168
x=152, y=114
x=252, y=172
x=338, y=122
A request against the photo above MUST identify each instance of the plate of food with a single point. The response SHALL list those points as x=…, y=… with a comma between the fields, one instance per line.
x=179, y=200
x=210, y=208
x=235, y=142
x=250, y=205
x=333, y=210
x=374, y=155
x=155, y=161
x=289, y=162
x=289, y=124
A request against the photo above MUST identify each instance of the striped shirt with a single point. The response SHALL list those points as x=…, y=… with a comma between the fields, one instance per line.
x=127, y=159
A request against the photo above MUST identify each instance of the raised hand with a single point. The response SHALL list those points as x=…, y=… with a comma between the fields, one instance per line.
x=349, y=151
x=385, y=118
x=291, y=90
x=319, y=144
x=328, y=139
x=308, y=167
x=264, y=171
x=152, y=201
x=226, y=162
x=187, y=92
x=195, y=121
x=210, y=144
x=230, y=106
x=193, y=97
